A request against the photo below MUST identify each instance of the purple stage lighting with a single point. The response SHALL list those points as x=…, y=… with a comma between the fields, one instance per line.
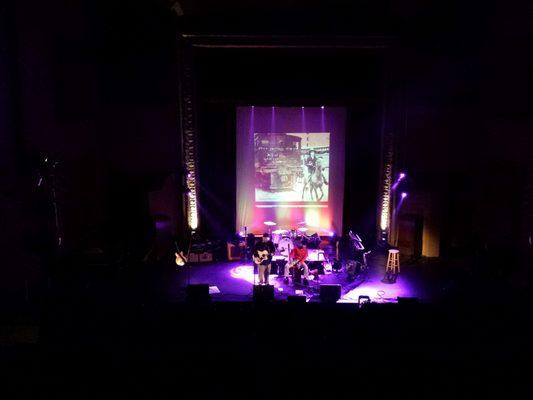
x=404, y=195
x=400, y=177
x=322, y=107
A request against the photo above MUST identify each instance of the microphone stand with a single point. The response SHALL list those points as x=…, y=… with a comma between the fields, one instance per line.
x=48, y=177
x=246, y=249
x=190, y=264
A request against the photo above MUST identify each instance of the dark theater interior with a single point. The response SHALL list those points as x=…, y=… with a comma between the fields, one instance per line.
x=265, y=199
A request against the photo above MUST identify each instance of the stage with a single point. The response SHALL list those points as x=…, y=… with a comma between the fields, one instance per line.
x=233, y=281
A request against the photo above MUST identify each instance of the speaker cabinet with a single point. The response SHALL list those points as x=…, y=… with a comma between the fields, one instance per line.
x=293, y=299
x=263, y=293
x=198, y=293
x=330, y=293
x=407, y=300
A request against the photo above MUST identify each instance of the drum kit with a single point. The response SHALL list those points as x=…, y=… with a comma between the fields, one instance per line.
x=286, y=239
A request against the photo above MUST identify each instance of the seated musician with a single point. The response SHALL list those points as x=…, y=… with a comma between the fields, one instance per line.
x=297, y=259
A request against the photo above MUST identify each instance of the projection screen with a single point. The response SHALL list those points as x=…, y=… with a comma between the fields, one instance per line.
x=290, y=168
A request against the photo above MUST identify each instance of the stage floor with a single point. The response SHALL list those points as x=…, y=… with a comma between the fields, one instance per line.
x=233, y=281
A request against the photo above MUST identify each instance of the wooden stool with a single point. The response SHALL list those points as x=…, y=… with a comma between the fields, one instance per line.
x=393, y=262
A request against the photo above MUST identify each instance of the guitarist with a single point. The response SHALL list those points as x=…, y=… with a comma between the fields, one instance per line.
x=297, y=259
x=262, y=255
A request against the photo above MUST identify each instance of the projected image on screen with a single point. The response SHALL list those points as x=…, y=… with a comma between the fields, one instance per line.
x=291, y=167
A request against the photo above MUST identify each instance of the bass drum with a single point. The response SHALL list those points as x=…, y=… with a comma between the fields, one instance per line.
x=285, y=245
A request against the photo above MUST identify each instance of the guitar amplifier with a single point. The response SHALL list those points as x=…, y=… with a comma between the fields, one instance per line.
x=234, y=252
x=206, y=257
x=200, y=257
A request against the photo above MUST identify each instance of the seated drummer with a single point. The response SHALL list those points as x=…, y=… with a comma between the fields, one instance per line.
x=297, y=259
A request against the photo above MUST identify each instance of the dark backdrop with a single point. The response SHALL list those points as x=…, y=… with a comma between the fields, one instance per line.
x=95, y=83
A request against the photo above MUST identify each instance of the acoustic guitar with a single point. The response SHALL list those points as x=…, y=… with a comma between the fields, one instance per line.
x=262, y=256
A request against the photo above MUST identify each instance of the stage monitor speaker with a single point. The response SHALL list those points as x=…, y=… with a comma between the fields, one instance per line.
x=198, y=293
x=407, y=300
x=330, y=293
x=316, y=265
x=263, y=293
x=337, y=265
x=294, y=299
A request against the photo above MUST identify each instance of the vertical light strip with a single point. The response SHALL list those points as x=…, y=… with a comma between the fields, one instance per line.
x=189, y=146
x=386, y=181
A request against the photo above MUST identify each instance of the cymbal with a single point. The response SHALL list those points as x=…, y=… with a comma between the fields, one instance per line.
x=280, y=231
x=269, y=223
x=303, y=229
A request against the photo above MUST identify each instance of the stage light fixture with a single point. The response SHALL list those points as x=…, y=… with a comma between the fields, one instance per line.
x=404, y=195
x=384, y=220
x=386, y=176
x=194, y=222
x=322, y=107
x=402, y=175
